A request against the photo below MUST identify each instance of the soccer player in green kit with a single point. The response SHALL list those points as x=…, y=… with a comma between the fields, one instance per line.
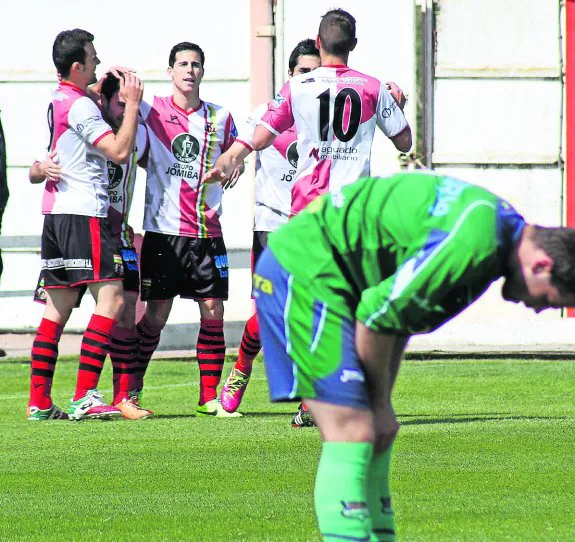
x=342, y=287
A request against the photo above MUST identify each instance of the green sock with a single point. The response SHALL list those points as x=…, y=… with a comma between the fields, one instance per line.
x=341, y=491
x=379, y=497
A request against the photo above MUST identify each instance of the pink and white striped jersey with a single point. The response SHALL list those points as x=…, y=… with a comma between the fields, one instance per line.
x=183, y=146
x=75, y=125
x=335, y=110
x=121, y=189
x=275, y=171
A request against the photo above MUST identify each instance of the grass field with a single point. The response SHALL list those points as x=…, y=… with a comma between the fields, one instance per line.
x=486, y=452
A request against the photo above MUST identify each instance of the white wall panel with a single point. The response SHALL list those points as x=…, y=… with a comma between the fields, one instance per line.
x=487, y=37
x=490, y=121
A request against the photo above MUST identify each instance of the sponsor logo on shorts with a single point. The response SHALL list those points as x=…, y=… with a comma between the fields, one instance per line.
x=354, y=510
x=221, y=261
x=118, y=265
x=75, y=263
x=351, y=375
x=262, y=284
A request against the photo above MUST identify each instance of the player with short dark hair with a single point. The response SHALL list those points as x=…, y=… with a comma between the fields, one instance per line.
x=385, y=258
x=335, y=110
x=275, y=173
x=183, y=252
x=78, y=249
x=122, y=177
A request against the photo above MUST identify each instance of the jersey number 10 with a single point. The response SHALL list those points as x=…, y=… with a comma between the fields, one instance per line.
x=338, y=113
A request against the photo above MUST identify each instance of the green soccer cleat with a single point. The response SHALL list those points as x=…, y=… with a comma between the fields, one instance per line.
x=302, y=418
x=215, y=409
x=52, y=413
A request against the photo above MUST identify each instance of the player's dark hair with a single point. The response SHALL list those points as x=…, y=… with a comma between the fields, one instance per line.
x=111, y=85
x=69, y=48
x=304, y=47
x=337, y=32
x=186, y=46
x=559, y=245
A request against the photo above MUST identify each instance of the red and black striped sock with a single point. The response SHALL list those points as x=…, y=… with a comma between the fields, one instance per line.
x=211, y=350
x=250, y=346
x=123, y=351
x=43, y=363
x=95, y=346
x=148, y=340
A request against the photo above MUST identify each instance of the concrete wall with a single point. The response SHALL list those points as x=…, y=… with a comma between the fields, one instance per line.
x=497, y=116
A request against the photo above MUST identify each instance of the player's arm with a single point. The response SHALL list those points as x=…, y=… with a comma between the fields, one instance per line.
x=48, y=169
x=403, y=140
x=118, y=147
x=390, y=117
x=380, y=354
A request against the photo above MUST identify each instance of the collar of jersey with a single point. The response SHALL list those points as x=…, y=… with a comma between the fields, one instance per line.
x=68, y=84
x=184, y=111
x=334, y=66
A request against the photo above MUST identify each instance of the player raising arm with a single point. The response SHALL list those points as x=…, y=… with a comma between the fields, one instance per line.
x=335, y=110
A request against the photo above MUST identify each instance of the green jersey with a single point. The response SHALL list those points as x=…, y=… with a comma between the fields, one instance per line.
x=402, y=254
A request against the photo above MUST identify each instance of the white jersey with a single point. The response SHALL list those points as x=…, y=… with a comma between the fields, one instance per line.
x=121, y=189
x=183, y=146
x=275, y=172
x=76, y=125
x=335, y=110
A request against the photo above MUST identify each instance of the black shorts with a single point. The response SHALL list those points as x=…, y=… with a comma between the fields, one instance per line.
x=77, y=250
x=192, y=268
x=259, y=244
x=131, y=281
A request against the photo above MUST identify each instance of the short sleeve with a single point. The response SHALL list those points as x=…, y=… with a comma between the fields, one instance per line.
x=85, y=118
x=279, y=115
x=390, y=117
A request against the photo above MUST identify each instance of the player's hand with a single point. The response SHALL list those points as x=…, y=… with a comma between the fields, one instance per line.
x=396, y=93
x=131, y=88
x=385, y=425
x=119, y=71
x=51, y=169
x=215, y=175
x=237, y=168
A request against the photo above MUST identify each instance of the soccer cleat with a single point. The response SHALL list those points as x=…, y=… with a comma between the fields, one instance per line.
x=234, y=390
x=302, y=418
x=53, y=413
x=91, y=406
x=214, y=408
x=135, y=396
x=132, y=411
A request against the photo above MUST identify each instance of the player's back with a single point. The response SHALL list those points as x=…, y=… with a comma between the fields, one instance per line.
x=354, y=239
x=335, y=110
x=76, y=125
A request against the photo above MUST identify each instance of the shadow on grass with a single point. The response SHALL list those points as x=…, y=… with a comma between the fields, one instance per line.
x=463, y=418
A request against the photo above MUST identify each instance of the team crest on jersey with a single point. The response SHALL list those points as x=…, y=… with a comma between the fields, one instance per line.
x=292, y=155
x=114, y=175
x=185, y=148
x=278, y=100
x=210, y=128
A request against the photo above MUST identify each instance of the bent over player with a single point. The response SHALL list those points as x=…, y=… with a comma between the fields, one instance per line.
x=385, y=259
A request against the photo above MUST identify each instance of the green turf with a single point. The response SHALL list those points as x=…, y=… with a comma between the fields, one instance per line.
x=486, y=452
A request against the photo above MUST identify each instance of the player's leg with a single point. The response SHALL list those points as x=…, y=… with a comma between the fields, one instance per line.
x=163, y=261
x=91, y=259
x=59, y=305
x=310, y=354
x=378, y=489
x=207, y=283
x=237, y=382
x=124, y=346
